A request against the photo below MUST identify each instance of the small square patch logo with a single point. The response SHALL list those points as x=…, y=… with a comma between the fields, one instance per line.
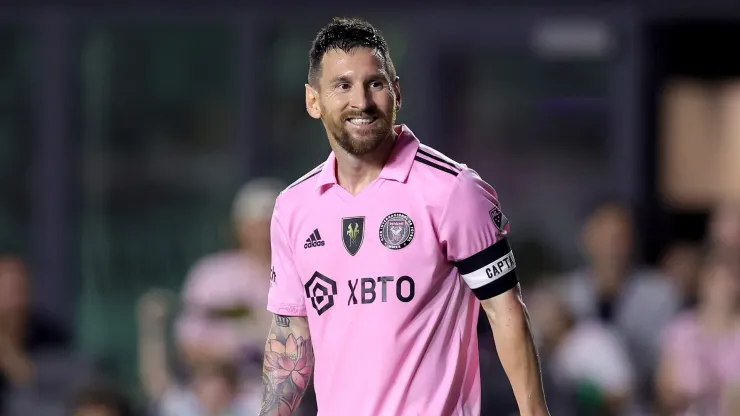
x=498, y=218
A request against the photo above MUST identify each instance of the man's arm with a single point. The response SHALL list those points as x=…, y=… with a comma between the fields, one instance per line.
x=509, y=320
x=474, y=231
x=288, y=365
x=153, y=308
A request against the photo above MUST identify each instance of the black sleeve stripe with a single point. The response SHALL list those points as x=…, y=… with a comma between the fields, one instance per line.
x=497, y=287
x=484, y=258
x=308, y=175
x=436, y=166
x=439, y=159
x=300, y=181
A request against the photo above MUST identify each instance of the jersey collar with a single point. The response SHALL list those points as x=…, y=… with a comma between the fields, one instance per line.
x=397, y=167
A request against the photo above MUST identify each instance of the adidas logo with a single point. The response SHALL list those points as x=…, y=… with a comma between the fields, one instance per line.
x=314, y=240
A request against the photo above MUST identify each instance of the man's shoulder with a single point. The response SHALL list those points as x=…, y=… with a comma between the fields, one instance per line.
x=434, y=167
x=301, y=187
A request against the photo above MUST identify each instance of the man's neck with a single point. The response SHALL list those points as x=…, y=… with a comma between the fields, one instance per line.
x=355, y=173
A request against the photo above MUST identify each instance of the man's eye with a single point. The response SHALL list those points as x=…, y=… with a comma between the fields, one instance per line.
x=376, y=84
x=343, y=86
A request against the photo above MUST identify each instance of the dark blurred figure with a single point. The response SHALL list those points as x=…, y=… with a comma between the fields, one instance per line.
x=22, y=331
x=101, y=401
x=637, y=302
x=497, y=397
x=38, y=369
x=700, y=356
x=587, y=360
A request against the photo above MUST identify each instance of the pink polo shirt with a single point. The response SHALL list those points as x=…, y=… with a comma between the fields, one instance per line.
x=388, y=280
x=707, y=365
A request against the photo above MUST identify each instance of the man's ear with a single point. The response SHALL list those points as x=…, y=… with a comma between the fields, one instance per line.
x=312, y=102
x=397, y=92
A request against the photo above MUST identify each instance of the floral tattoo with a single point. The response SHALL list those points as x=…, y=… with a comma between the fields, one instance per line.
x=287, y=369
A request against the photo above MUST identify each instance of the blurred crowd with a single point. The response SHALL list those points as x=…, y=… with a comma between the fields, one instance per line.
x=615, y=337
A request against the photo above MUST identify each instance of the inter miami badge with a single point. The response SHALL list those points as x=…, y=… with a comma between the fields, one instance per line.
x=396, y=231
x=498, y=218
x=353, y=233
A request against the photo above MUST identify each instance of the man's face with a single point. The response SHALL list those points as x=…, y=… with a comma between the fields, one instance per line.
x=355, y=99
x=254, y=234
x=608, y=236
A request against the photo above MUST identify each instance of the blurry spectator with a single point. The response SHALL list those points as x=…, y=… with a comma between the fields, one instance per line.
x=225, y=296
x=587, y=359
x=101, y=401
x=637, y=302
x=681, y=263
x=213, y=386
x=22, y=331
x=725, y=228
x=700, y=355
x=224, y=317
x=38, y=369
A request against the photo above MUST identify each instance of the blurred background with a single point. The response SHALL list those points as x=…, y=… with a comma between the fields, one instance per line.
x=142, y=145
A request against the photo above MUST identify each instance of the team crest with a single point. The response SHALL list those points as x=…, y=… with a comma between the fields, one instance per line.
x=353, y=233
x=396, y=231
x=498, y=218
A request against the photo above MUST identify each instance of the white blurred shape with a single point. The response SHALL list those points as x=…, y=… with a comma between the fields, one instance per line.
x=572, y=38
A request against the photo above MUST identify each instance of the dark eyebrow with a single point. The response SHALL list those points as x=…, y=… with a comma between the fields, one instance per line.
x=378, y=77
x=340, y=79
x=345, y=79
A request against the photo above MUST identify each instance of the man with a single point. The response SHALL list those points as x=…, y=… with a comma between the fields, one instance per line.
x=368, y=251
x=637, y=301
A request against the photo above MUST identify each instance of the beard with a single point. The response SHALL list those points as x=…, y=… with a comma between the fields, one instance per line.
x=364, y=142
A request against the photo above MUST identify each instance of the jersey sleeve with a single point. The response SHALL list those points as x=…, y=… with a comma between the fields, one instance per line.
x=474, y=231
x=286, y=291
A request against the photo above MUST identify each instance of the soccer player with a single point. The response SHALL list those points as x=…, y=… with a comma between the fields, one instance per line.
x=382, y=256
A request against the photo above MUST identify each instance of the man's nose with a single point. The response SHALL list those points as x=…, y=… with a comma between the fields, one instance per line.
x=361, y=98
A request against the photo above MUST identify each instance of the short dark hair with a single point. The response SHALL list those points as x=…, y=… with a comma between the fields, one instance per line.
x=606, y=200
x=347, y=34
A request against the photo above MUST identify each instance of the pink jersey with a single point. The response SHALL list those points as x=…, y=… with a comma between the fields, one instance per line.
x=388, y=280
x=224, y=281
x=707, y=366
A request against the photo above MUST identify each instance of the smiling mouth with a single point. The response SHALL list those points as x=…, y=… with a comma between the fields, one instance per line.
x=361, y=121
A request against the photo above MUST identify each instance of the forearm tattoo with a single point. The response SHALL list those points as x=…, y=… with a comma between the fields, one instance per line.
x=287, y=368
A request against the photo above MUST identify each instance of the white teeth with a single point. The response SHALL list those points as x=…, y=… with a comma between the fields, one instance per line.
x=360, y=120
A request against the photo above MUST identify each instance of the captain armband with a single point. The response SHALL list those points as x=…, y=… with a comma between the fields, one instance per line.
x=490, y=272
